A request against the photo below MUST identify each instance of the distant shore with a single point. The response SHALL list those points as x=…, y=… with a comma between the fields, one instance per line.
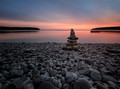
x=47, y=66
x=18, y=29
x=106, y=29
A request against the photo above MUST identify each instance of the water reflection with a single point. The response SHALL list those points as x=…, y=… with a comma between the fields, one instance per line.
x=61, y=36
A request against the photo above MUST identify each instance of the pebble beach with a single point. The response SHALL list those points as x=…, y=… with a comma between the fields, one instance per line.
x=47, y=66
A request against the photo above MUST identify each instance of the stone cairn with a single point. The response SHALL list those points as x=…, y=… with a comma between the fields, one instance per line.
x=72, y=42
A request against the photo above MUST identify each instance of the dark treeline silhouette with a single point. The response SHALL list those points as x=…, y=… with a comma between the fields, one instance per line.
x=116, y=29
x=18, y=29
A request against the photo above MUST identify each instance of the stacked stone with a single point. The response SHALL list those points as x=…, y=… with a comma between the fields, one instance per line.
x=72, y=42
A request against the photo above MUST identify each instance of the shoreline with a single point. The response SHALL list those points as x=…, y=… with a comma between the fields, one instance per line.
x=26, y=64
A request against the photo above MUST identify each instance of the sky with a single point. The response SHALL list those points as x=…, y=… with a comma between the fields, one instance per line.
x=60, y=14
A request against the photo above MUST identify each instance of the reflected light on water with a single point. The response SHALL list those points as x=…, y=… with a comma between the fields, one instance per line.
x=60, y=36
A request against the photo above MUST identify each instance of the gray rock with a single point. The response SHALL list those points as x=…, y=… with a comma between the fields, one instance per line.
x=95, y=76
x=61, y=51
x=51, y=64
x=37, y=81
x=111, y=84
x=82, y=83
x=5, y=73
x=55, y=81
x=66, y=86
x=59, y=84
x=63, y=80
x=16, y=84
x=29, y=86
x=26, y=81
x=109, y=78
x=46, y=75
x=31, y=66
x=16, y=72
x=101, y=86
x=47, y=85
x=63, y=72
x=52, y=72
x=70, y=77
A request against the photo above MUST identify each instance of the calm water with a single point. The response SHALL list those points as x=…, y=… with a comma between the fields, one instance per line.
x=60, y=36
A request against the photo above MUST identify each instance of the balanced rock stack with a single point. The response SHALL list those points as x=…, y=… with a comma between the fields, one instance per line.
x=72, y=42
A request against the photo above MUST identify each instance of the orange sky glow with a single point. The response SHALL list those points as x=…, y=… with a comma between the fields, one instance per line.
x=52, y=25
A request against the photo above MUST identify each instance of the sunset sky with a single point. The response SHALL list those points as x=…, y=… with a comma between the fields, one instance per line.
x=60, y=14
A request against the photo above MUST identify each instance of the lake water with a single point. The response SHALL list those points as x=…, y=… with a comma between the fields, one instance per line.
x=60, y=36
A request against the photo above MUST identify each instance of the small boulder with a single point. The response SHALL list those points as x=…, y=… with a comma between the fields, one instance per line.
x=95, y=76
x=70, y=77
x=52, y=72
x=82, y=83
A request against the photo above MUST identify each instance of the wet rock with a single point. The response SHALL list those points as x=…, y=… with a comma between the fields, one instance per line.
x=101, y=86
x=37, y=81
x=88, y=61
x=5, y=73
x=29, y=86
x=95, y=76
x=16, y=73
x=55, y=82
x=31, y=66
x=46, y=75
x=51, y=64
x=59, y=84
x=111, y=84
x=61, y=51
x=27, y=50
x=26, y=81
x=108, y=78
x=66, y=86
x=82, y=83
x=52, y=72
x=64, y=71
x=70, y=77
x=16, y=84
x=47, y=85
x=36, y=72
x=63, y=80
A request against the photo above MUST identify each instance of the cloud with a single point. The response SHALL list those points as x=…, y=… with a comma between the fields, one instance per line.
x=77, y=12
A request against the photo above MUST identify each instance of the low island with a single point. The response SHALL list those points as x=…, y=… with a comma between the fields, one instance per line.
x=106, y=29
x=18, y=29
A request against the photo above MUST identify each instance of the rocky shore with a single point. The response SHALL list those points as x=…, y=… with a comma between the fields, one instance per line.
x=47, y=66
